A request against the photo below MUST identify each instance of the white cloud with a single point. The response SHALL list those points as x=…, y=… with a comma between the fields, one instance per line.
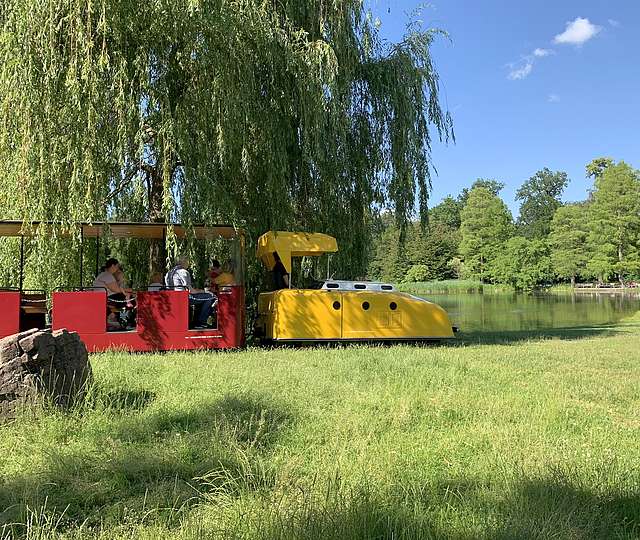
x=523, y=68
x=614, y=23
x=553, y=98
x=578, y=32
x=541, y=53
x=522, y=72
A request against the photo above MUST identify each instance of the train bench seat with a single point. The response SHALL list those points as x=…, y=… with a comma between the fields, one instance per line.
x=33, y=303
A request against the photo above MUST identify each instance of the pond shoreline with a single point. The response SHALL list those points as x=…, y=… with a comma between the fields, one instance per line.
x=474, y=287
x=605, y=290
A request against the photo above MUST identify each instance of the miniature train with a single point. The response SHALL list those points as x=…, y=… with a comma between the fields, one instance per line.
x=332, y=311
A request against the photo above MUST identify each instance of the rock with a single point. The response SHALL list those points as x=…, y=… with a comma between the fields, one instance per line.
x=40, y=364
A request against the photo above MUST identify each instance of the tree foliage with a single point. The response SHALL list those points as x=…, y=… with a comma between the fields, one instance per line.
x=486, y=225
x=593, y=239
x=494, y=186
x=522, y=263
x=447, y=212
x=433, y=249
x=615, y=221
x=596, y=167
x=540, y=197
x=264, y=114
x=418, y=273
x=568, y=241
x=425, y=254
x=389, y=261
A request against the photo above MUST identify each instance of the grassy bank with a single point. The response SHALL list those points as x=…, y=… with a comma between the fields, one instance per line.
x=453, y=286
x=504, y=436
x=465, y=286
x=567, y=288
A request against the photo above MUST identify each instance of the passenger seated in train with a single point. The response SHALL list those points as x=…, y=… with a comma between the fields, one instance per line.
x=280, y=274
x=155, y=282
x=122, y=280
x=200, y=301
x=214, y=271
x=120, y=302
x=226, y=276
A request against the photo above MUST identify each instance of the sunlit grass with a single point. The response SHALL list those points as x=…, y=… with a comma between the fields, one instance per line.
x=525, y=439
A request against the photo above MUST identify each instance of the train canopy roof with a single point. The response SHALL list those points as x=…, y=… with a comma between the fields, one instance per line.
x=153, y=231
x=293, y=244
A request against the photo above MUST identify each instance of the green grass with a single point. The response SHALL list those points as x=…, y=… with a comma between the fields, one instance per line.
x=504, y=436
x=560, y=288
x=453, y=286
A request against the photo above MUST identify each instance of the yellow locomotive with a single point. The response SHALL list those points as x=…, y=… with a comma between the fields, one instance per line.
x=338, y=310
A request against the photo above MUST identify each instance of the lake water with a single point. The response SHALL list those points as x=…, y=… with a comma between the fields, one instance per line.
x=513, y=312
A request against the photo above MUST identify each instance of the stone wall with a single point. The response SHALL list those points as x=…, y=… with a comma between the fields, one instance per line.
x=40, y=364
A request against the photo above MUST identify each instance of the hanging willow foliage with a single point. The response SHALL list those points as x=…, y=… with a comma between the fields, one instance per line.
x=266, y=114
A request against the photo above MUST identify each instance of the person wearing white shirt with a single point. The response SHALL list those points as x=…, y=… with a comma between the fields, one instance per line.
x=179, y=278
x=117, y=295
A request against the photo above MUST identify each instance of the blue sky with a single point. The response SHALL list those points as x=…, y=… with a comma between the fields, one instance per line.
x=528, y=90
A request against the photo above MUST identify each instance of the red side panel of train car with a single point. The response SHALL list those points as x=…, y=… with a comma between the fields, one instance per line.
x=162, y=321
x=9, y=313
x=83, y=312
x=231, y=315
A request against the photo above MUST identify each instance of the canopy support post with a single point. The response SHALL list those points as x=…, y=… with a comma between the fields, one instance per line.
x=165, y=251
x=81, y=254
x=21, y=261
x=97, y=252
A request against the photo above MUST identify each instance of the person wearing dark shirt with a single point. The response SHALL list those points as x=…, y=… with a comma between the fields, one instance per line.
x=280, y=274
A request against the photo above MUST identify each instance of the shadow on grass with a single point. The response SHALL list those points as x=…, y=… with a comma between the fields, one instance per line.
x=463, y=511
x=540, y=509
x=247, y=422
x=479, y=337
x=120, y=400
x=359, y=515
x=149, y=462
x=518, y=336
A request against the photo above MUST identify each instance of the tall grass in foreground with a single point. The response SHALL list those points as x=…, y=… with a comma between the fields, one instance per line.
x=528, y=439
x=548, y=506
x=453, y=286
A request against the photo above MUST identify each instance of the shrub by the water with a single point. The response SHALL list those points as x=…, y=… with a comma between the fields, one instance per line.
x=452, y=286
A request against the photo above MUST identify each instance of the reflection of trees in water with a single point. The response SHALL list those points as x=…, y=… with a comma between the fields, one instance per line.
x=490, y=312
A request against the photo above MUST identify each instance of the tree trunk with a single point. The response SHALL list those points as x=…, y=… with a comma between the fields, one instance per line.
x=573, y=282
x=157, y=248
x=620, y=257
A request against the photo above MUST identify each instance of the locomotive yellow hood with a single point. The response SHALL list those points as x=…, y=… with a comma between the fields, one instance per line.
x=293, y=244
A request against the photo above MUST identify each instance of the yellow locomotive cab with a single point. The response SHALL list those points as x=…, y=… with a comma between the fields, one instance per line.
x=340, y=310
x=293, y=244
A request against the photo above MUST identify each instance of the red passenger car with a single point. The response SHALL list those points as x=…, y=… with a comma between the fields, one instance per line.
x=163, y=316
x=20, y=309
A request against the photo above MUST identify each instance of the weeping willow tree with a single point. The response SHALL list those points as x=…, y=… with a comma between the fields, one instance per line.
x=261, y=113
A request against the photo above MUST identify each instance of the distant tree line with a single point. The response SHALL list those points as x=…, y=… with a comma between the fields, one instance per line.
x=474, y=235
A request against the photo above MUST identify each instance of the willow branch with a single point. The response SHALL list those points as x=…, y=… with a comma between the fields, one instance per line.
x=121, y=186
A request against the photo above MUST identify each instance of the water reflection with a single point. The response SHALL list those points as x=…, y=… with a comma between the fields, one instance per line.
x=526, y=312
